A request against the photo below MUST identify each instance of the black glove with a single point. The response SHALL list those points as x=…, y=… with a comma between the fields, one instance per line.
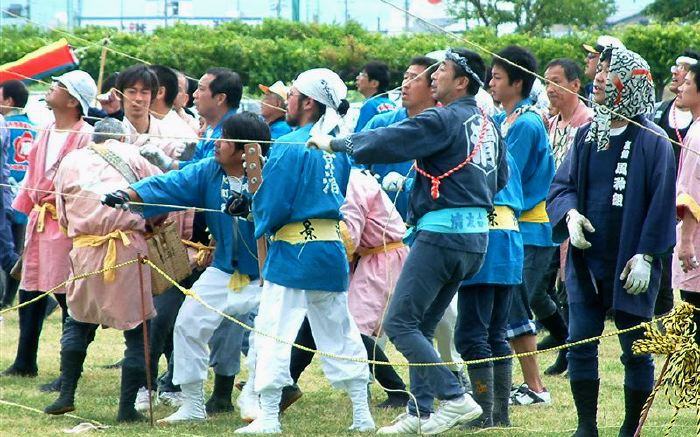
x=116, y=199
x=238, y=205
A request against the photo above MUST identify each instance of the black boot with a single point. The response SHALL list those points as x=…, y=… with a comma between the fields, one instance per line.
x=482, y=388
x=634, y=404
x=220, y=400
x=53, y=386
x=560, y=364
x=133, y=378
x=586, y=401
x=502, y=380
x=394, y=400
x=71, y=368
x=556, y=326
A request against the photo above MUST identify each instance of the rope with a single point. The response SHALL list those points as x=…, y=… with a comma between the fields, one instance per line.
x=35, y=410
x=682, y=378
x=71, y=279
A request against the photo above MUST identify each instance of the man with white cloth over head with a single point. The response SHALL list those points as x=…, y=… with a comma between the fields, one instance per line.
x=306, y=270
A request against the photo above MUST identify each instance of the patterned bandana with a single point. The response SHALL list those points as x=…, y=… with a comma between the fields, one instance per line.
x=629, y=91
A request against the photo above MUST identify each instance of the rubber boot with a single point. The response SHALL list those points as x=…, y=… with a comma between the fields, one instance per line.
x=634, y=404
x=502, y=381
x=362, y=420
x=586, y=400
x=71, y=369
x=556, y=326
x=132, y=379
x=53, y=386
x=220, y=400
x=482, y=390
x=268, y=421
x=192, y=408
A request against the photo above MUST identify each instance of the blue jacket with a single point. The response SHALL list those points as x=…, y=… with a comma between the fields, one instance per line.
x=205, y=185
x=440, y=139
x=278, y=128
x=371, y=107
x=404, y=168
x=528, y=142
x=205, y=148
x=299, y=184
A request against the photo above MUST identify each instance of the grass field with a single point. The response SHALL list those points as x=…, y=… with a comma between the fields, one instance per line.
x=321, y=411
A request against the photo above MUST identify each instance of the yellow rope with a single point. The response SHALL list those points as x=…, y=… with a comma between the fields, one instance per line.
x=72, y=416
x=677, y=341
x=62, y=284
x=193, y=295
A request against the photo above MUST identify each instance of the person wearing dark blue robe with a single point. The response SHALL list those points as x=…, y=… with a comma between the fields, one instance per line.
x=450, y=233
x=614, y=196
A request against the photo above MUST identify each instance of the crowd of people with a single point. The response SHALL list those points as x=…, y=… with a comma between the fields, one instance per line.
x=483, y=207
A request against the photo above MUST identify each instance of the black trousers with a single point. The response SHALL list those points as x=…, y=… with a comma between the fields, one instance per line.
x=31, y=322
x=300, y=360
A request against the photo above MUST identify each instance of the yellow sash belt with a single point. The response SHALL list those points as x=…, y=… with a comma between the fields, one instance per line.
x=538, y=214
x=380, y=249
x=503, y=218
x=42, y=210
x=98, y=240
x=308, y=231
x=238, y=281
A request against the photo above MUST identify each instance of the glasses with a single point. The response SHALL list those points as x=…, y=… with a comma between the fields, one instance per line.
x=57, y=84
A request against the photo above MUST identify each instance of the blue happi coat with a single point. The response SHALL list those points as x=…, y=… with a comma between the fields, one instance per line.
x=205, y=147
x=403, y=168
x=439, y=139
x=204, y=184
x=299, y=184
x=647, y=220
x=528, y=142
x=503, y=264
x=278, y=128
x=371, y=107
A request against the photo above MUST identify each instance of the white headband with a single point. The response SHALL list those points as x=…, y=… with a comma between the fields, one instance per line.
x=686, y=60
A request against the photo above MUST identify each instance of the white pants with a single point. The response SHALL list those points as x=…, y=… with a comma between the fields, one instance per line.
x=281, y=314
x=195, y=323
x=445, y=336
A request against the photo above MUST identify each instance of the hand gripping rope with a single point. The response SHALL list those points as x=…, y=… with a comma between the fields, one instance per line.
x=435, y=181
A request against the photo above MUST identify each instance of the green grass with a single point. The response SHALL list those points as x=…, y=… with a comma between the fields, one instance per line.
x=321, y=411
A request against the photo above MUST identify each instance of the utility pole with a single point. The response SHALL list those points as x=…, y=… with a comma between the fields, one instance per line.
x=295, y=10
x=165, y=12
x=406, y=5
x=346, y=11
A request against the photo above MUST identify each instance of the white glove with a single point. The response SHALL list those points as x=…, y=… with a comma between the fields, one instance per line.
x=322, y=142
x=637, y=273
x=577, y=223
x=393, y=181
x=156, y=156
x=178, y=148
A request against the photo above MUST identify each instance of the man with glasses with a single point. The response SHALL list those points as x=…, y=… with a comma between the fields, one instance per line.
x=592, y=56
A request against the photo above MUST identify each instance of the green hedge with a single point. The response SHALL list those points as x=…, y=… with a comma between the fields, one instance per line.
x=279, y=49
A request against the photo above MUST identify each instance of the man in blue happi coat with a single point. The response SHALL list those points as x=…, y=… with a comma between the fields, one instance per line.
x=230, y=283
x=306, y=271
x=614, y=197
x=461, y=164
x=372, y=82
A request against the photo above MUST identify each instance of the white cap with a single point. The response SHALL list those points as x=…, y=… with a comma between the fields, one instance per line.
x=80, y=85
x=602, y=42
x=278, y=88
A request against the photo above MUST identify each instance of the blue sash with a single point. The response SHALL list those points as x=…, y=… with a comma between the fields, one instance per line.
x=466, y=220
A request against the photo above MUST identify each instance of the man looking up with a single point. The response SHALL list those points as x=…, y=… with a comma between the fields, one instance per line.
x=273, y=108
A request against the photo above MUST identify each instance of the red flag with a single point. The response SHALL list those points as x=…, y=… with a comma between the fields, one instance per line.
x=40, y=63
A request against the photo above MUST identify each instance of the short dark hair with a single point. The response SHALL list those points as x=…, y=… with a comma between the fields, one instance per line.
x=17, y=91
x=695, y=69
x=571, y=69
x=226, y=82
x=430, y=65
x=476, y=63
x=379, y=71
x=109, y=83
x=248, y=126
x=138, y=73
x=521, y=57
x=167, y=78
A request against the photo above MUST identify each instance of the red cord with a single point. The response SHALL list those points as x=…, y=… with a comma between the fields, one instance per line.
x=675, y=122
x=436, y=180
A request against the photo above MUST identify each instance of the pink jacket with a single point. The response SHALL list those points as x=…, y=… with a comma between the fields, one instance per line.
x=111, y=300
x=45, y=261
x=372, y=221
x=688, y=196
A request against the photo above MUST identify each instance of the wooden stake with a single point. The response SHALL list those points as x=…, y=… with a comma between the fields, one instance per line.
x=650, y=401
x=146, y=348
